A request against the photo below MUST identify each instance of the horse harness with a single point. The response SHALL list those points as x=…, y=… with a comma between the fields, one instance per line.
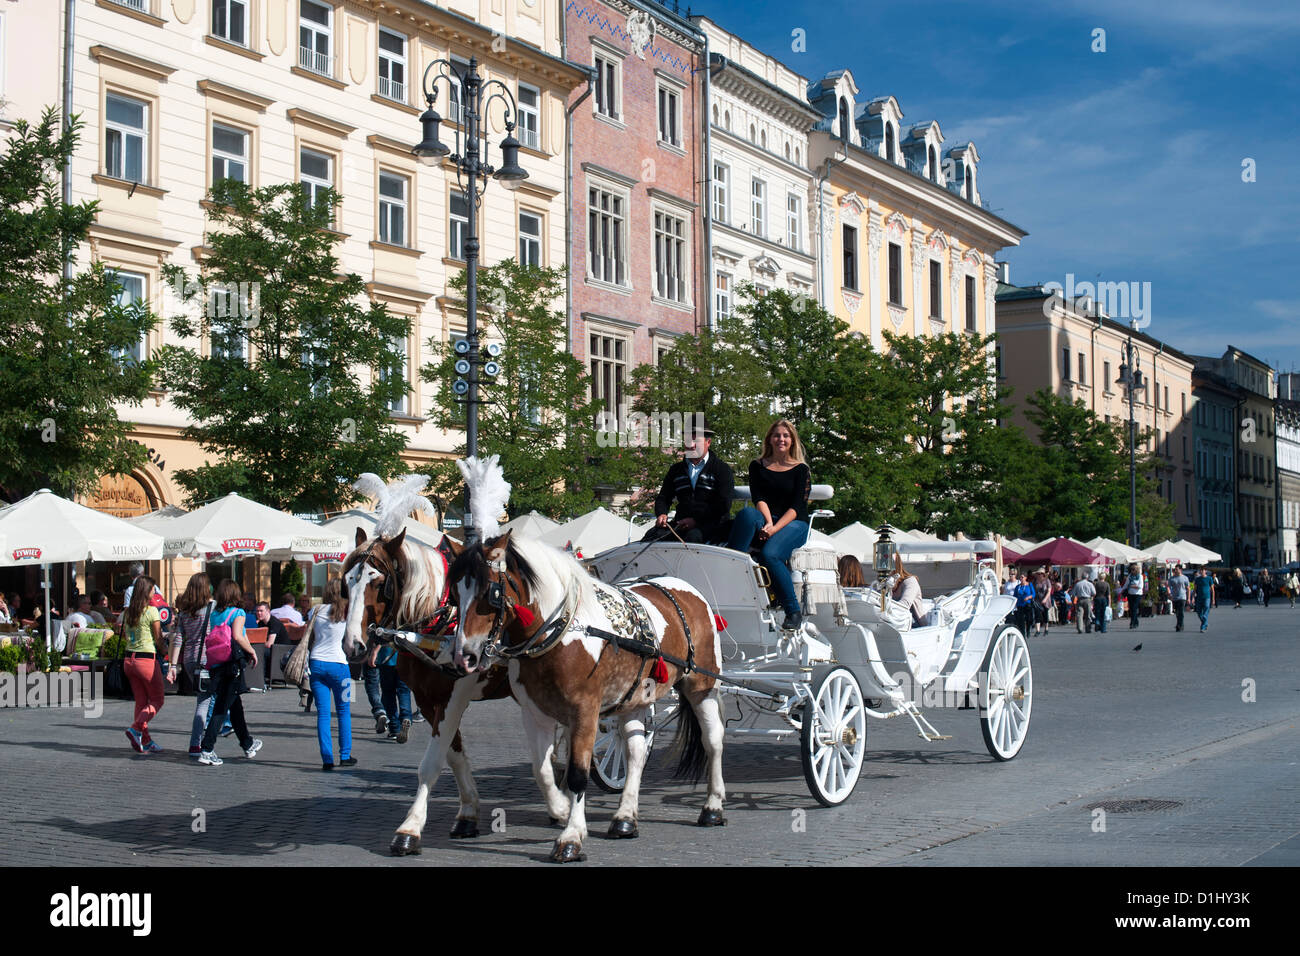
x=434, y=628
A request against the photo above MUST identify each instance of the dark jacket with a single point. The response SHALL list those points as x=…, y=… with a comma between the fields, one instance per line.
x=709, y=502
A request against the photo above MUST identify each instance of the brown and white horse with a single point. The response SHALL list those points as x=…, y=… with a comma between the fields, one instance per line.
x=396, y=584
x=531, y=604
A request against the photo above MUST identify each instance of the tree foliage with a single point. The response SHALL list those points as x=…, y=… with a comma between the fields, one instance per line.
x=291, y=397
x=62, y=368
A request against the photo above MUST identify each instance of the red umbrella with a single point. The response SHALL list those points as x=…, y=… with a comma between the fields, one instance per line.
x=1063, y=551
x=1009, y=555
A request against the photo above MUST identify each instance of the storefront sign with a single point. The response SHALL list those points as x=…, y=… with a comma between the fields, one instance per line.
x=243, y=546
x=30, y=553
x=121, y=496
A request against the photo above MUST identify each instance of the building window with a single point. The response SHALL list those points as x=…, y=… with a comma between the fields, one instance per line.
x=392, y=209
x=844, y=119
x=722, y=297
x=793, y=221
x=608, y=90
x=395, y=368
x=315, y=29
x=392, y=65
x=225, y=341
x=758, y=207
x=970, y=181
x=970, y=304
x=229, y=153
x=607, y=236
x=530, y=116
x=457, y=224
x=891, y=152
x=1083, y=372
x=608, y=358
x=530, y=239
x=669, y=116
x=230, y=20
x=1065, y=369
x=895, y=273
x=721, y=191
x=316, y=175
x=1105, y=367
x=936, y=290
x=670, y=257
x=130, y=293
x=126, y=138
x=460, y=67
x=850, y=258
x=998, y=365
x=934, y=165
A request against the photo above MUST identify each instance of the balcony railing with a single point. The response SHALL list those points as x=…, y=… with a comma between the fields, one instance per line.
x=310, y=59
x=141, y=5
x=392, y=90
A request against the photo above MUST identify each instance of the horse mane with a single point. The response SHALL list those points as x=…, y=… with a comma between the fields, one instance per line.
x=421, y=593
x=550, y=575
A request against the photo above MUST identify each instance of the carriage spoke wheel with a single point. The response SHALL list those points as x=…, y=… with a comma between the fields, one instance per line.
x=833, y=738
x=1006, y=693
x=609, y=754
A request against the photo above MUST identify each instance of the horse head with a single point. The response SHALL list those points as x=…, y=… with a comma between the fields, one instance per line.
x=495, y=589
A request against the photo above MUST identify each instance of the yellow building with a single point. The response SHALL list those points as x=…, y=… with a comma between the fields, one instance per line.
x=905, y=243
x=322, y=92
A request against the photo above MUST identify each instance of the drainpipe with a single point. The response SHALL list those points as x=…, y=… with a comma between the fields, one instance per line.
x=568, y=187
x=69, y=43
x=707, y=179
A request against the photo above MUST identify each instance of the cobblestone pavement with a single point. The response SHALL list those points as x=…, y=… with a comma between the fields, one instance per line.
x=1171, y=722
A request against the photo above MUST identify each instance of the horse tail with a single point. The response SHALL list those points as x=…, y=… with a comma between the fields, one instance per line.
x=688, y=745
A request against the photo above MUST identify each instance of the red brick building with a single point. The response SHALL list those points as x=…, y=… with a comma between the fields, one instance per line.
x=637, y=247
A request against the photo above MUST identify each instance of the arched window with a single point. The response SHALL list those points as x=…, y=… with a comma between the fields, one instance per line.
x=844, y=118
x=787, y=152
x=726, y=120
x=796, y=156
x=753, y=133
x=970, y=182
x=763, y=139
x=934, y=165
x=890, y=151
x=715, y=114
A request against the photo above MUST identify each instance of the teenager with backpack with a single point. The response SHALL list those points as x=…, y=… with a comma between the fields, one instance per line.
x=194, y=614
x=228, y=653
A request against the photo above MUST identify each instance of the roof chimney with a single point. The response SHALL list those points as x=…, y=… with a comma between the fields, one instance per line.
x=1004, y=272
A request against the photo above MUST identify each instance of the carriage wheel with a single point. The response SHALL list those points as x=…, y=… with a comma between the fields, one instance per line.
x=833, y=739
x=609, y=755
x=1006, y=693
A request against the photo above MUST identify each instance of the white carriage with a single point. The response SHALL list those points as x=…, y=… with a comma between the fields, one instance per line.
x=857, y=655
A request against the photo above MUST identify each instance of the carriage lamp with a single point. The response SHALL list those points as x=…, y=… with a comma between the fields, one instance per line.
x=884, y=552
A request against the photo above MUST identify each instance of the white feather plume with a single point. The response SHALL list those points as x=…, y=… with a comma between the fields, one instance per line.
x=395, y=500
x=489, y=492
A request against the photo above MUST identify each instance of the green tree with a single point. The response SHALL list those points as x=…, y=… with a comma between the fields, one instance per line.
x=63, y=369
x=295, y=424
x=1084, y=468
x=536, y=414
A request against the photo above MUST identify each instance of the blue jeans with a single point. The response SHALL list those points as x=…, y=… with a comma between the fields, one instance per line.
x=1099, y=606
x=371, y=677
x=397, y=696
x=332, y=680
x=775, y=552
x=1203, y=612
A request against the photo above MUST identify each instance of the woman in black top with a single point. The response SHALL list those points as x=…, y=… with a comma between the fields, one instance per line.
x=777, y=522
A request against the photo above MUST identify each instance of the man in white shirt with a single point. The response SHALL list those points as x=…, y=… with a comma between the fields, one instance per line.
x=286, y=611
x=1083, y=592
x=1134, y=586
x=136, y=570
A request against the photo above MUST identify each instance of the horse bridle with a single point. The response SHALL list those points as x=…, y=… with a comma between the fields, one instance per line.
x=539, y=642
x=389, y=591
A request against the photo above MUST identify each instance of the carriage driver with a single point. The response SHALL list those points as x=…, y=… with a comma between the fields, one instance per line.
x=702, y=485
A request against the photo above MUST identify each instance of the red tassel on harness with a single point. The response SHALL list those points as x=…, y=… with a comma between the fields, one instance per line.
x=524, y=614
x=720, y=622
x=659, y=671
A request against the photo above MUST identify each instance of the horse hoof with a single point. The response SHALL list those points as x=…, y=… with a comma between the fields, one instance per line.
x=623, y=830
x=711, y=818
x=464, y=829
x=404, y=844
x=567, y=853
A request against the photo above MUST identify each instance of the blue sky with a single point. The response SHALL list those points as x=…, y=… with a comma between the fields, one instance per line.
x=1126, y=163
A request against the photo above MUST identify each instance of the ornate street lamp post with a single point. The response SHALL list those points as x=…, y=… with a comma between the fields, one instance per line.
x=1130, y=376
x=472, y=173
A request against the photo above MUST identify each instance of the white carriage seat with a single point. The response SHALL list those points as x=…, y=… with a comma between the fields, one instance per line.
x=815, y=572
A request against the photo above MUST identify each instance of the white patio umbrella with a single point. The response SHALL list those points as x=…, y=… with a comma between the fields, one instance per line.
x=347, y=523
x=1118, y=550
x=1196, y=554
x=235, y=526
x=856, y=539
x=1166, y=552
x=531, y=525
x=46, y=529
x=592, y=533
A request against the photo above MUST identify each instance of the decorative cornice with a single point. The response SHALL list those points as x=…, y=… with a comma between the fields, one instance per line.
x=232, y=95
x=376, y=141
x=608, y=174
x=662, y=194
x=300, y=117
x=129, y=61
x=610, y=320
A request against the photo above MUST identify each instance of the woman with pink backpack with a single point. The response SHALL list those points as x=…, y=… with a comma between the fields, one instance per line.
x=228, y=652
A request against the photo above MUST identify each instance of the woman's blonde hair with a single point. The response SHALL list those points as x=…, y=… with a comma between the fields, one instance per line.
x=796, y=446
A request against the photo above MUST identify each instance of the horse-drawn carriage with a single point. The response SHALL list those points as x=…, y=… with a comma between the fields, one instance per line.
x=858, y=654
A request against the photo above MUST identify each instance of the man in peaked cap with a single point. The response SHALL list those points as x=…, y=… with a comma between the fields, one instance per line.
x=702, y=485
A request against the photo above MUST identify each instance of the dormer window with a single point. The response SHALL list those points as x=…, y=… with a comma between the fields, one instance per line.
x=844, y=118
x=891, y=148
x=970, y=182
x=934, y=165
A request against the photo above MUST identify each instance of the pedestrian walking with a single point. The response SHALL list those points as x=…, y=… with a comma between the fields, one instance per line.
x=374, y=693
x=193, y=613
x=1133, y=589
x=1265, y=584
x=1204, y=593
x=1291, y=585
x=331, y=678
x=1178, y=585
x=1042, y=600
x=1101, y=602
x=1084, y=593
x=228, y=653
x=143, y=647
x=396, y=695
x=1024, y=604
x=1238, y=587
